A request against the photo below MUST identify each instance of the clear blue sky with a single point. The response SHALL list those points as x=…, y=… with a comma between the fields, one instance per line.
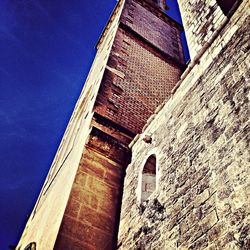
x=47, y=47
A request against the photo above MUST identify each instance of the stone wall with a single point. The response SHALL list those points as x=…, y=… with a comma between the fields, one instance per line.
x=201, y=19
x=201, y=141
x=158, y=29
x=91, y=218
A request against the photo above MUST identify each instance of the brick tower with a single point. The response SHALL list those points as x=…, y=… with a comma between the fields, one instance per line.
x=139, y=60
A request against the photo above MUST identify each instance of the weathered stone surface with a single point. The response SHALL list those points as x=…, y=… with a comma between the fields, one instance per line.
x=90, y=219
x=200, y=139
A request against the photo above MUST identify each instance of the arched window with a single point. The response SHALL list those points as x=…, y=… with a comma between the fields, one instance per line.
x=227, y=5
x=31, y=246
x=148, y=184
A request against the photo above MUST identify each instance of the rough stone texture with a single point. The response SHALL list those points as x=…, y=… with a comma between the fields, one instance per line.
x=201, y=141
x=201, y=20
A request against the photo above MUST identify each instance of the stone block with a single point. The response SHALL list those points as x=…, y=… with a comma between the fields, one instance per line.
x=96, y=219
x=73, y=208
x=83, y=233
x=201, y=198
x=68, y=226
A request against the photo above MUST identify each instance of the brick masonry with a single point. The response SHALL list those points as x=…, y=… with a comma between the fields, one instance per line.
x=159, y=30
x=142, y=69
x=201, y=141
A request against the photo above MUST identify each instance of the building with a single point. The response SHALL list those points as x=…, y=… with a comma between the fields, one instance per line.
x=138, y=62
x=181, y=140
x=189, y=186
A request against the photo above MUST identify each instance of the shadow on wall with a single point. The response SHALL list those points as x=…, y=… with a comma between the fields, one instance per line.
x=174, y=12
x=148, y=178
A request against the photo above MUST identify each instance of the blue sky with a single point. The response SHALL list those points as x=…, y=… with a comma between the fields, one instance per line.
x=47, y=48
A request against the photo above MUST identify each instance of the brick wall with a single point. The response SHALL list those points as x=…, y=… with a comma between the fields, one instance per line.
x=142, y=68
x=148, y=80
x=201, y=142
x=155, y=27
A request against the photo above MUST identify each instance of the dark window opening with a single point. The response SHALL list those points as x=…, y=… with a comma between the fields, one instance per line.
x=227, y=5
x=148, y=178
x=31, y=246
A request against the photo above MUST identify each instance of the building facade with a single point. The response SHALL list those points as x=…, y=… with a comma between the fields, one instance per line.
x=138, y=63
x=188, y=183
x=160, y=156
